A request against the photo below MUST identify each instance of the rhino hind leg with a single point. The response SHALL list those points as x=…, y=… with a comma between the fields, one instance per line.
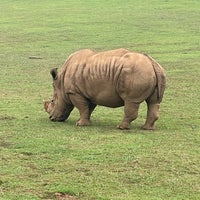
x=152, y=116
x=153, y=105
x=130, y=114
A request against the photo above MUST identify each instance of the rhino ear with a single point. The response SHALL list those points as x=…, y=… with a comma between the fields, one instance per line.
x=54, y=73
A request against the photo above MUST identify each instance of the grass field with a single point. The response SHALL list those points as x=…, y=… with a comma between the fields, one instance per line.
x=40, y=159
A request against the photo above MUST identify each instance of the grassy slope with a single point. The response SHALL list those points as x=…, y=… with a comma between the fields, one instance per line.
x=40, y=158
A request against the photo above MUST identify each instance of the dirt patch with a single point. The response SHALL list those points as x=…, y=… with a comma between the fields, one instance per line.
x=4, y=144
x=6, y=117
x=63, y=196
x=60, y=196
x=34, y=57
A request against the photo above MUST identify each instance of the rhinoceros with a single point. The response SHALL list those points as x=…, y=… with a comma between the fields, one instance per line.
x=111, y=78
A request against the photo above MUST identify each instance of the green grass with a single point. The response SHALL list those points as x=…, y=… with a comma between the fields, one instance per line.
x=41, y=159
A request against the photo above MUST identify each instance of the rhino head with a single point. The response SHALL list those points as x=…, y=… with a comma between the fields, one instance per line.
x=59, y=107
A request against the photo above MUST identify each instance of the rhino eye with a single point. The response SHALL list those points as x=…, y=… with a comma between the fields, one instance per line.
x=52, y=101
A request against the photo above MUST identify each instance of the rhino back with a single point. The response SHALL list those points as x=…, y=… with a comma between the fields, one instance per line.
x=96, y=79
x=107, y=78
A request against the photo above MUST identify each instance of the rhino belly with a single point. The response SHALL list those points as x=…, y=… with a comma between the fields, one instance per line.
x=105, y=95
x=109, y=99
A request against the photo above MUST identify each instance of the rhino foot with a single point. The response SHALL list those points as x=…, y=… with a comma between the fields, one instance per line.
x=83, y=122
x=148, y=127
x=124, y=126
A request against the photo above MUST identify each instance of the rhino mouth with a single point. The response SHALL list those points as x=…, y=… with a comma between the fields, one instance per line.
x=57, y=119
x=49, y=107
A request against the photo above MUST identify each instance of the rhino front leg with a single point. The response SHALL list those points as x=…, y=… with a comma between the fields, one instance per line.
x=83, y=106
x=92, y=106
x=130, y=114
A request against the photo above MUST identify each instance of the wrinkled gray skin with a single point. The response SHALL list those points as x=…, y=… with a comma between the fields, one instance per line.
x=112, y=78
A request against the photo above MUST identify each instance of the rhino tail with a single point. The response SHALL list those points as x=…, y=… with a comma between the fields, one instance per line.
x=160, y=78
